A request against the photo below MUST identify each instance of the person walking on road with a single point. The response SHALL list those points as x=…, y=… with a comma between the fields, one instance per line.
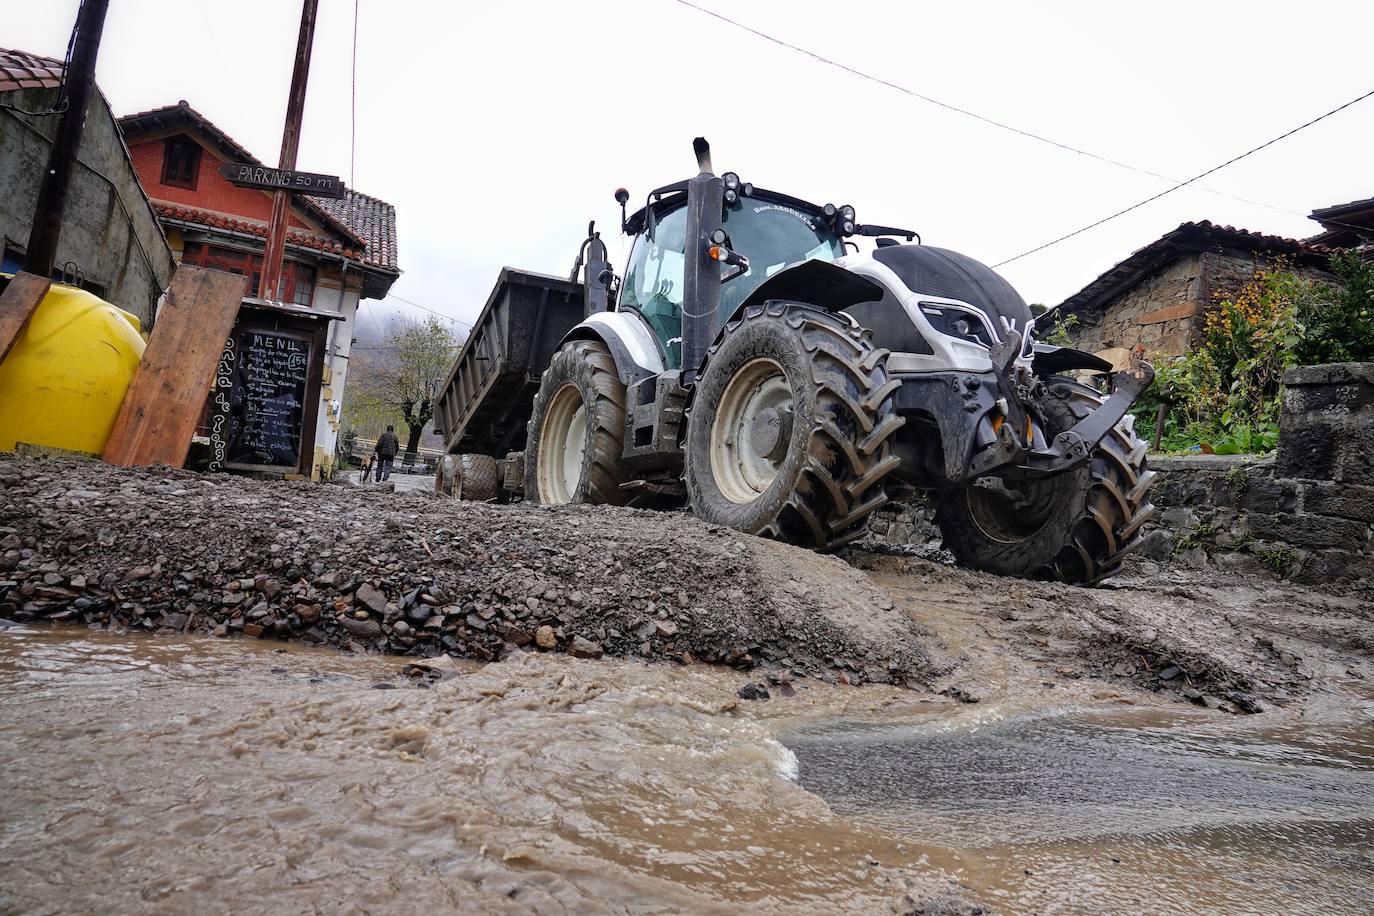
x=386, y=450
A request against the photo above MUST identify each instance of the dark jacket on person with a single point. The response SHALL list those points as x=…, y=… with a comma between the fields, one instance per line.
x=387, y=446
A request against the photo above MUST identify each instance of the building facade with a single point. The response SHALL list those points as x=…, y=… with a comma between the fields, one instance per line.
x=1156, y=299
x=111, y=242
x=338, y=252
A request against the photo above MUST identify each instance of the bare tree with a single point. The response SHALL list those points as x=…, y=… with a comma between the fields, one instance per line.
x=401, y=375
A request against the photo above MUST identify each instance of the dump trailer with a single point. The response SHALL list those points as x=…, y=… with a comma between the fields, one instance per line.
x=484, y=406
x=752, y=363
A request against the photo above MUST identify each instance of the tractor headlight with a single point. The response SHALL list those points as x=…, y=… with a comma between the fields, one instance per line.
x=847, y=212
x=731, y=181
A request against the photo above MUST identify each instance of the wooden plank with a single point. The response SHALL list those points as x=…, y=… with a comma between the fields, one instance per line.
x=159, y=414
x=19, y=300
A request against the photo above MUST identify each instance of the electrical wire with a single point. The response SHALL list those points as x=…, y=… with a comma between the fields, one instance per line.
x=1001, y=125
x=1181, y=184
x=425, y=308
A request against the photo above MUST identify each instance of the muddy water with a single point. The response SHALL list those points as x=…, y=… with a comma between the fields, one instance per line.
x=1123, y=812
x=167, y=775
x=172, y=775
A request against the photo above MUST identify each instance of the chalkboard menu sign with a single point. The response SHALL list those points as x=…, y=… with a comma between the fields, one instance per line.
x=259, y=400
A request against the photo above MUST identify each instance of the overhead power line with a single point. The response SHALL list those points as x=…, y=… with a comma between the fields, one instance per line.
x=1182, y=184
x=1001, y=125
x=425, y=308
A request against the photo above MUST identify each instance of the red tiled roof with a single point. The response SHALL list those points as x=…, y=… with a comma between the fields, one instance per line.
x=294, y=236
x=1187, y=238
x=20, y=70
x=372, y=219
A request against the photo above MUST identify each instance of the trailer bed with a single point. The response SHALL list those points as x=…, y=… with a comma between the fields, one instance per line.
x=485, y=403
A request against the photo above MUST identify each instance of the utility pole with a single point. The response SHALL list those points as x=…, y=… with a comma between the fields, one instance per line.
x=52, y=193
x=290, y=141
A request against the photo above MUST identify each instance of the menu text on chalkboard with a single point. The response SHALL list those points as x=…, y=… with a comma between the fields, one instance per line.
x=260, y=394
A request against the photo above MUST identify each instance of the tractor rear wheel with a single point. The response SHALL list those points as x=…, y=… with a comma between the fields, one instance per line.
x=577, y=429
x=788, y=433
x=1073, y=527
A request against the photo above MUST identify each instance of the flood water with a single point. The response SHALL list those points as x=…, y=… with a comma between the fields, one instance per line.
x=1122, y=812
x=170, y=775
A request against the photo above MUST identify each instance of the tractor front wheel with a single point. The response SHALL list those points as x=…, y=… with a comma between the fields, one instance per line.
x=1073, y=527
x=788, y=431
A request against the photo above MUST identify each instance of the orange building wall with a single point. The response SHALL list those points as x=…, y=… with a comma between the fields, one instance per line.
x=213, y=191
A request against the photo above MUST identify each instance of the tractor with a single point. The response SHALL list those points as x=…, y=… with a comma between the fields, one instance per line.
x=753, y=364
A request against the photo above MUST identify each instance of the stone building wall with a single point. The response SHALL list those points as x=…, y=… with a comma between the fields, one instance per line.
x=108, y=231
x=1164, y=313
x=1161, y=313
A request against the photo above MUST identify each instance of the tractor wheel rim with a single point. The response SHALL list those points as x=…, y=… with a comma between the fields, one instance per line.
x=740, y=461
x=561, y=445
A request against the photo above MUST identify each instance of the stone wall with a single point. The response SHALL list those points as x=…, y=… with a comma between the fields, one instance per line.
x=1161, y=313
x=1245, y=515
x=108, y=231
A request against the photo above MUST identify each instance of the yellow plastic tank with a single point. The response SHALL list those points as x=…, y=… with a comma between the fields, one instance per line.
x=63, y=382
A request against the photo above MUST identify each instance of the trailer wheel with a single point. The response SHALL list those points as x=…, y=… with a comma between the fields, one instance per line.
x=1074, y=527
x=788, y=434
x=446, y=475
x=577, y=429
x=480, y=478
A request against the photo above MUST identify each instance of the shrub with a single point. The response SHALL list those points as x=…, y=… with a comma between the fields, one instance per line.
x=1339, y=327
x=1224, y=396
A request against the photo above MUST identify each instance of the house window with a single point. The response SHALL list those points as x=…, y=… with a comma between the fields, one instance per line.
x=181, y=163
x=302, y=283
x=297, y=282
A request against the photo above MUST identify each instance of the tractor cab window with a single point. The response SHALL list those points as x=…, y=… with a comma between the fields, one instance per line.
x=772, y=236
x=653, y=282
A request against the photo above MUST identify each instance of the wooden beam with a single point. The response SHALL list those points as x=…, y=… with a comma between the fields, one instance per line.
x=158, y=417
x=17, y=303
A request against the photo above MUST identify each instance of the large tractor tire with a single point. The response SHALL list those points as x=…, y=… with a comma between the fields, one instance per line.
x=789, y=428
x=577, y=429
x=1073, y=527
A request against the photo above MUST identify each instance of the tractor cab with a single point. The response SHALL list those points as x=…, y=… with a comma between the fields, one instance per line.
x=771, y=230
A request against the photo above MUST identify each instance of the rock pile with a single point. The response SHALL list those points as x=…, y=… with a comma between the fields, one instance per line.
x=407, y=573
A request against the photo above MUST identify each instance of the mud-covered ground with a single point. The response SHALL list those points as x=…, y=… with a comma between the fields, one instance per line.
x=409, y=573
x=1234, y=643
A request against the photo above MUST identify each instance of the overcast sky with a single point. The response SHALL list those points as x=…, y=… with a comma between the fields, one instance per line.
x=498, y=129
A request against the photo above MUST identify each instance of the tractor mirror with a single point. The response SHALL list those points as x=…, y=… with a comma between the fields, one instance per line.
x=622, y=197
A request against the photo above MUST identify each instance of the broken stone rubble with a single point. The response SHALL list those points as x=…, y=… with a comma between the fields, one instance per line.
x=171, y=551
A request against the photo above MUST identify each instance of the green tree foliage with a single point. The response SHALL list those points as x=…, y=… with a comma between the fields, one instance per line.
x=1340, y=327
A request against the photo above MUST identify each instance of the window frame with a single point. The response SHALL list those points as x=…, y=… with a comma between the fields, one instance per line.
x=181, y=140
x=296, y=275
